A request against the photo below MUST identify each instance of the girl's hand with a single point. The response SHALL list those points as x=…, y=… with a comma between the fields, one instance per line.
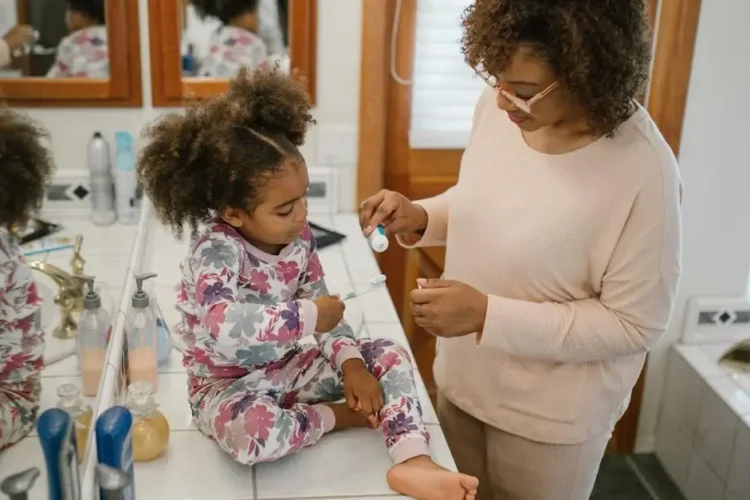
x=330, y=313
x=394, y=212
x=447, y=308
x=362, y=390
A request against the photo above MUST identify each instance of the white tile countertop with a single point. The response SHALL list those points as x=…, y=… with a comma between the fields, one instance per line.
x=347, y=464
x=106, y=251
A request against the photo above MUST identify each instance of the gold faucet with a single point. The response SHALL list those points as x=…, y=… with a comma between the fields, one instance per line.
x=70, y=292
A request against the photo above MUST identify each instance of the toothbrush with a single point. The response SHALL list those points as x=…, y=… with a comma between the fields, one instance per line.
x=376, y=283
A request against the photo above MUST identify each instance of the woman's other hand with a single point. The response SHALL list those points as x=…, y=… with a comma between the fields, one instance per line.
x=394, y=212
x=18, y=36
x=446, y=308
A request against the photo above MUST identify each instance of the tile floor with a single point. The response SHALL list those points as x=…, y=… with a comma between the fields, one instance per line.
x=634, y=477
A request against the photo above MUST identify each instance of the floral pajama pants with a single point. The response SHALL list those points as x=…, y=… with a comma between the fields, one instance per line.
x=19, y=404
x=268, y=414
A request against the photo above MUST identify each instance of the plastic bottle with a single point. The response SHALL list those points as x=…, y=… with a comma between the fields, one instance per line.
x=93, y=330
x=102, y=183
x=150, y=426
x=126, y=182
x=141, y=333
x=114, y=445
x=378, y=240
x=71, y=402
x=112, y=482
x=56, y=429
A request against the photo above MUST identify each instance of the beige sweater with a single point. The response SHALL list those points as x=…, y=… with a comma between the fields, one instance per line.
x=580, y=256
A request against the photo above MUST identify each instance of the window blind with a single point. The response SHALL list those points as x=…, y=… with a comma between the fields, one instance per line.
x=445, y=89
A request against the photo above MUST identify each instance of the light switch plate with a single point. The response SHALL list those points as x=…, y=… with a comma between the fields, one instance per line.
x=337, y=145
x=322, y=195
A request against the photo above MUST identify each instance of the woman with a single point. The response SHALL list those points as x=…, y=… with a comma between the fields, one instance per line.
x=563, y=245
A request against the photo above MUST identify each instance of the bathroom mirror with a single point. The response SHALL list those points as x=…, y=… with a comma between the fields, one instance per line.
x=73, y=383
x=70, y=53
x=197, y=45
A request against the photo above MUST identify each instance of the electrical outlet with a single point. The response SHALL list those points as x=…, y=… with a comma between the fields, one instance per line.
x=322, y=194
x=715, y=319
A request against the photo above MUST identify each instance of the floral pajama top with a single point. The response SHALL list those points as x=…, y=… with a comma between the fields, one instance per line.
x=232, y=49
x=21, y=344
x=82, y=54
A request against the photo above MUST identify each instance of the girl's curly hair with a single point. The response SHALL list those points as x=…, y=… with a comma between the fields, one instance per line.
x=599, y=49
x=224, y=10
x=219, y=152
x=25, y=168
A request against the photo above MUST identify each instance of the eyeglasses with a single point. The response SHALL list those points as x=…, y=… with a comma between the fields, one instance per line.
x=522, y=104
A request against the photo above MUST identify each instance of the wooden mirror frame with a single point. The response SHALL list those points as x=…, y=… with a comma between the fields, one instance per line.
x=169, y=88
x=122, y=89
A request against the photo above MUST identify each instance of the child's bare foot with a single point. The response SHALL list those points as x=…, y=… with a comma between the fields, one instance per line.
x=347, y=418
x=423, y=479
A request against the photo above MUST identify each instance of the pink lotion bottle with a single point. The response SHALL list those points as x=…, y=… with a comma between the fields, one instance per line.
x=143, y=360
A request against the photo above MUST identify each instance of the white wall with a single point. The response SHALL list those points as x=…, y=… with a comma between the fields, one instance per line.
x=715, y=169
x=338, y=69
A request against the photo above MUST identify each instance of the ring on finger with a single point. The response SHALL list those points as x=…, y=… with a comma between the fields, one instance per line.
x=418, y=310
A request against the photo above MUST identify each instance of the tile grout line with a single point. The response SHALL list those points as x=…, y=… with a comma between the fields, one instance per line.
x=642, y=478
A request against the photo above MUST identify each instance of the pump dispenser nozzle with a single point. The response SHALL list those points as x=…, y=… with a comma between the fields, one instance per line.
x=140, y=298
x=17, y=486
x=91, y=300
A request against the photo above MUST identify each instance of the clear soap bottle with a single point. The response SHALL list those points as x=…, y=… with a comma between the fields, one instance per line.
x=71, y=402
x=150, y=426
x=93, y=329
x=141, y=331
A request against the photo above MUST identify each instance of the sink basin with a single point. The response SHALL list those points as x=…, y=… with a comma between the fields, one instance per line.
x=55, y=349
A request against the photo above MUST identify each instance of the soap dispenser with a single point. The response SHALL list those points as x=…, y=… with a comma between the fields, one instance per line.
x=150, y=426
x=71, y=402
x=93, y=332
x=141, y=334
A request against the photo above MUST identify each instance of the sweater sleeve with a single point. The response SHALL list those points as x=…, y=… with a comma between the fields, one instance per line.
x=5, y=56
x=636, y=299
x=339, y=344
x=255, y=327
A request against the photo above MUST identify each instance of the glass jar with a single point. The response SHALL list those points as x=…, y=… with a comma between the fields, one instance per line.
x=70, y=401
x=150, y=426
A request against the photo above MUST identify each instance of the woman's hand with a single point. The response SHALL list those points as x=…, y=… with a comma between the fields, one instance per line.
x=394, y=212
x=362, y=390
x=447, y=308
x=18, y=36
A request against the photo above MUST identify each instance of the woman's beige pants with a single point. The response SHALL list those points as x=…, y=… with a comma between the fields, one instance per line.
x=510, y=467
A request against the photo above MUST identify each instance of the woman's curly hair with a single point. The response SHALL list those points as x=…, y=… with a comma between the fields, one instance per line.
x=25, y=168
x=220, y=152
x=599, y=49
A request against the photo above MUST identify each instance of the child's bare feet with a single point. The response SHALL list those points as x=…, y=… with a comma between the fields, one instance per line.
x=347, y=418
x=423, y=479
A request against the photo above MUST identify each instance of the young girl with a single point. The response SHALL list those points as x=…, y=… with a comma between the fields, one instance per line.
x=253, y=292
x=235, y=44
x=83, y=53
x=25, y=168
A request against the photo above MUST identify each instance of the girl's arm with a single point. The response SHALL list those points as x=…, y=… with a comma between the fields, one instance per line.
x=338, y=345
x=216, y=265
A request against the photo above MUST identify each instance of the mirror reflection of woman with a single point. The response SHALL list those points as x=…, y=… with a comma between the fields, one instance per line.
x=83, y=53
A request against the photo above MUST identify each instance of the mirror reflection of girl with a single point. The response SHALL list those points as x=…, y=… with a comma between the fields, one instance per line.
x=236, y=43
x=253, y=291
x=83, y=53
x=25, y=169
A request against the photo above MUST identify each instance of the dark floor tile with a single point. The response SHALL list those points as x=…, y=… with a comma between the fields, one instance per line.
x=652, y=471
x=617, y=481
